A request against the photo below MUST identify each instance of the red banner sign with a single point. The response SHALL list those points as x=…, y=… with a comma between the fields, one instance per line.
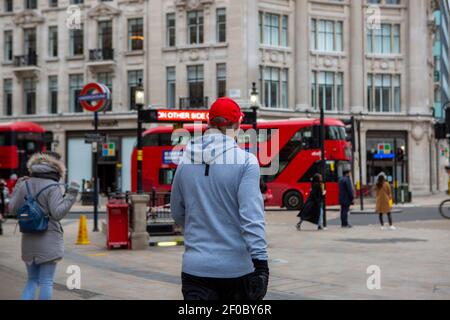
x=182, y=115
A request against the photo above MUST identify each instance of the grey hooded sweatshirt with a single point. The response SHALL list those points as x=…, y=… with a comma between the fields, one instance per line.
x=216, y=198
x=49, y=245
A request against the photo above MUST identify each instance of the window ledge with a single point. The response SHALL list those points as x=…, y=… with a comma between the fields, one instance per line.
x=52, y=59
x=76, y=57
x=7, y=63
x=197, y=46
x=329, y=53
x=277, y=48
x=7, y=14
x=134, y=53
x=384, y=56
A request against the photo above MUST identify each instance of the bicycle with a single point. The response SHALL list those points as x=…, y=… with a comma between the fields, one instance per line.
x=444, y=209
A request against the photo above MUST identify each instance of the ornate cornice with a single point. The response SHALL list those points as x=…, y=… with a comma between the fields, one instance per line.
x=103, y=11
x=193, y=4
x=28, y=18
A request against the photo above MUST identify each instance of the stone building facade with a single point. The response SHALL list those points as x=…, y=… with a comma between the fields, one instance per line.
x=371, y=59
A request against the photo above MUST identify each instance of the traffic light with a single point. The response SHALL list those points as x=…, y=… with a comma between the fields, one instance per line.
x=400, y=154
x=440, y=131
x=249, y=117
x=447, y=121
x=350, y=131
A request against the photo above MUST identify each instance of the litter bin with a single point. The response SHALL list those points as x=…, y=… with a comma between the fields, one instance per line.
x=117, y=220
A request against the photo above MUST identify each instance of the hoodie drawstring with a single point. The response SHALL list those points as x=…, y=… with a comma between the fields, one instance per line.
x=207, y=170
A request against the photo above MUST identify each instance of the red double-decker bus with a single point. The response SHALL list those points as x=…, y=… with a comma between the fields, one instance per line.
x=298, y=155
x=18, y=141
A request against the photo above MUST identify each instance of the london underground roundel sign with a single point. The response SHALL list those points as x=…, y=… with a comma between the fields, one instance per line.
x=94, y=97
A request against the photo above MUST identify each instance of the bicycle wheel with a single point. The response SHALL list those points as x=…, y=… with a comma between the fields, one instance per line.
x=444, y=209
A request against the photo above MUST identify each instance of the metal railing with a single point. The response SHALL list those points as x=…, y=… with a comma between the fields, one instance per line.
x=101, y=54
x=25, y=60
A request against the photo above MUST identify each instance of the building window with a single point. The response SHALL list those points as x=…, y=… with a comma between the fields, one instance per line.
x=326, y=35
x=30, y=4
x=221, y=80
x=171, y=30
x=383, y=93
x=133, y=82
x=9, y=7
x=53, y=41
x=29, y=93
x=384, y=40
x=53, y=3
x=106, y=79
x=76, y=41
x=8, y=46
x=327, y=91
x=76, y=1
x=274, y=84
x=385, y=2
x=30, y=41
x=105, y=35
x=195, y=83
x=7, y=97
x=195, y=27
x=53, y=94
x=273, y=29
x=135, y=34
x=76, y=83
x=221, y=25
x=171, y=87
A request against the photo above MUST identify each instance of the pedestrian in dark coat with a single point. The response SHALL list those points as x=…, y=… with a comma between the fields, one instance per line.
x=346, y=197
x=313, y=209
x=41, y=251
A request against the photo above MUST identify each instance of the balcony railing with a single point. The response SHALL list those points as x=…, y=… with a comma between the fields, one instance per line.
x=101, y=54
x=25, y=60
x=194, y=103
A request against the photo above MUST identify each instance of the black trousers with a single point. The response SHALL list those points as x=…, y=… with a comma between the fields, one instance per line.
x=200, y=288
x=344, y=215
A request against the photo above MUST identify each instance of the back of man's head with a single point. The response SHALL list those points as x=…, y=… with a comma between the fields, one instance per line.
x=225, y=114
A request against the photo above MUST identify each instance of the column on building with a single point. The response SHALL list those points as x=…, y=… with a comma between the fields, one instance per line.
x=419, y=99
x=302, y=72
x=357, y=29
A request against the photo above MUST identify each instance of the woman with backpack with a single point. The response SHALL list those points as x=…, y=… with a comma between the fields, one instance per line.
x=43, y=247
x=313, y=209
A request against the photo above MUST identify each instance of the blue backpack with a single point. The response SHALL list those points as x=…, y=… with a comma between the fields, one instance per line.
x=30, y=216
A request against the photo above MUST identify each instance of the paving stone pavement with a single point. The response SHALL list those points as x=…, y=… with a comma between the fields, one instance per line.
x=333, y=264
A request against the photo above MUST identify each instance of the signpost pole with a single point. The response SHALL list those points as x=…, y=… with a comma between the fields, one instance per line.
x=95, y=174
x=323, y=163
x=361, y=194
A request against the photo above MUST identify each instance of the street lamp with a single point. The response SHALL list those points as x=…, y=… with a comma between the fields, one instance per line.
x=139, y=99
x=254, y=99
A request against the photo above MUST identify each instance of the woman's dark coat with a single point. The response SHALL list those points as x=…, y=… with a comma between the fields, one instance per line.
x=311, y=209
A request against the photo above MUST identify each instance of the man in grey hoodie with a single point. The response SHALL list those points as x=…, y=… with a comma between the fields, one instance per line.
x=217, y=200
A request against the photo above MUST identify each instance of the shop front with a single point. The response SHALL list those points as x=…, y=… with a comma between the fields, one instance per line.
x=114, y=160
x=387, y=152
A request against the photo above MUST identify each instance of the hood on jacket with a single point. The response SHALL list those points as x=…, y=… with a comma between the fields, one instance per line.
x=45, y=163
x=209, y=149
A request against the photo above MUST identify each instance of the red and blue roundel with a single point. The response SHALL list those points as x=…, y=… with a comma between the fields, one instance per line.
x=94, y=97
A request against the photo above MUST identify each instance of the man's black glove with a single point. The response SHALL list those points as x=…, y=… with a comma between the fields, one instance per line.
x=259, y=280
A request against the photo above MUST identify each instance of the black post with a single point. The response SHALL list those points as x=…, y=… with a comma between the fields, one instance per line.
x=95, y=173
x=361, y=194
x=323, y=162
x=139, y=145
x=394, y=173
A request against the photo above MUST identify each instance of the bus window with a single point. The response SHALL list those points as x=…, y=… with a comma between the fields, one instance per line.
x=335, y=133
x=166, y=176
x=331, y=172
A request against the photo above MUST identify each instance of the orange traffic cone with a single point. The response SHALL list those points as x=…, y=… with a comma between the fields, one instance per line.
x=83, y=238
